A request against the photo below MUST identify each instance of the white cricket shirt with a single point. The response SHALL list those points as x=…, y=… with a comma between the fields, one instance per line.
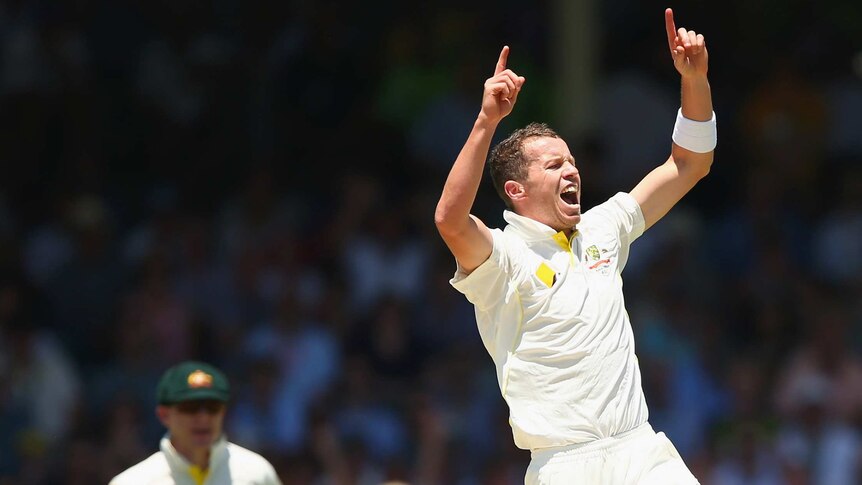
x=230, y=464
x=552, y=316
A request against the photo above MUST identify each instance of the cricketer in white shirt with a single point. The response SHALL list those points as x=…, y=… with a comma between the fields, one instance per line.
x=230, y=464
x=551, y=313
x=548, y=289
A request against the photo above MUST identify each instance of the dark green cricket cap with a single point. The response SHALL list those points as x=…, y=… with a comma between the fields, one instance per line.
x=192, y=381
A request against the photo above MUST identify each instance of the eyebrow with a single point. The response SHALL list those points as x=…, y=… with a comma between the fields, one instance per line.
x=558, y=159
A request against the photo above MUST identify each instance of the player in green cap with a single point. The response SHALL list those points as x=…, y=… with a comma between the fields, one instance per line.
x=192, y=398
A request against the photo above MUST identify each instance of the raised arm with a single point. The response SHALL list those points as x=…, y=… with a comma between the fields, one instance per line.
x=466, y=236
x=662, y=188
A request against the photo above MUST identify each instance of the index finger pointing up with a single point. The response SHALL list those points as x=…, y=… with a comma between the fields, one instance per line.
x=501, y=62
x=670, y=27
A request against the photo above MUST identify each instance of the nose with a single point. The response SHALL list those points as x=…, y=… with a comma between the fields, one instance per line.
x=569, y=170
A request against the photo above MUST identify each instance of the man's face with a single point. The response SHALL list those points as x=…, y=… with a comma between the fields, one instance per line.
x=193, y=425
x=552, y=191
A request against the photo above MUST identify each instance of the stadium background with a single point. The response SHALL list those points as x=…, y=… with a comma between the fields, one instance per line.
x=253, y=184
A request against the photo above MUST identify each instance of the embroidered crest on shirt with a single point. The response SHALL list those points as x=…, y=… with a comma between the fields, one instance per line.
x=595, y=262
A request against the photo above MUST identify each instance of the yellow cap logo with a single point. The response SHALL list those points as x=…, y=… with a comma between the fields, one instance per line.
x=200, y=378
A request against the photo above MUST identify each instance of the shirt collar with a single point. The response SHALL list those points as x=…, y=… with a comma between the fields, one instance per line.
x=532, y=230
x=179, y=462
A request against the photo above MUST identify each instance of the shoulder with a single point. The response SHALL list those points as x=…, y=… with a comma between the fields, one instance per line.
x=510, y=250
x=507, y=247
x=620, y=212
x=509, y=239
x=147, y=471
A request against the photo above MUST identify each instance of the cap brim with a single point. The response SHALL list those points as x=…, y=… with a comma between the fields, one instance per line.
x=197, y=395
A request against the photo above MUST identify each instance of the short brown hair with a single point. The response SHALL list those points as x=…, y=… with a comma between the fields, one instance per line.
x=507, y=160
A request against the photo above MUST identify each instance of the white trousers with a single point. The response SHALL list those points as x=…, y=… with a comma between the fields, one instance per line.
x=637, y=457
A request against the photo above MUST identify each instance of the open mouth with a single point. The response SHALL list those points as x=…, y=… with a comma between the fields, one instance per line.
x=570, y=195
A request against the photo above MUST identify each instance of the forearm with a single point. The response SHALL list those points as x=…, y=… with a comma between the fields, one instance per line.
x=694, y=134
x=696, y=106
x=462, y=184
x=696, y=98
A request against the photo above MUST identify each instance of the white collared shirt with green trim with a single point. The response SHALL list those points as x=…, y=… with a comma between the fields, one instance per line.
x=551, y=314
x=230, y=464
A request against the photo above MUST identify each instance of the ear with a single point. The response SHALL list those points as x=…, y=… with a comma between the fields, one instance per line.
x=515, y=190
x=163, y=413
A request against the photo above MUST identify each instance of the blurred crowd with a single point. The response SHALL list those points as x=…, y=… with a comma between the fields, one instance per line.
x=253, y=184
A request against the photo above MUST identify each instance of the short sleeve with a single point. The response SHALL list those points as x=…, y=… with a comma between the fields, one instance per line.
x=488, y=283
x=625, y=213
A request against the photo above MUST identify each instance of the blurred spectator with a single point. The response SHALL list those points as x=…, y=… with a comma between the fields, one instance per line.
x=387, y=342
x=153, y=308
x=837, y=248
x=844, y=97
x=48, y=247
x=384, y=258
x=823, y=365
x=635, y=108
x=40, y=388
x=747, y=459
x=126, y=440
x=258, y=419
x=205, y=281
x=815, y=441
x=784, y=123
x=295, y=361
x=84, y=293
x=25, y=67
x=365, y=418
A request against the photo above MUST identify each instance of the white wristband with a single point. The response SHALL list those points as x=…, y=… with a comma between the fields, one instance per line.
x=696, y=136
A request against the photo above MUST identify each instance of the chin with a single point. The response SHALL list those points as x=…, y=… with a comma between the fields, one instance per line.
x=567, y=217
x=204, y=441
x=571, y=219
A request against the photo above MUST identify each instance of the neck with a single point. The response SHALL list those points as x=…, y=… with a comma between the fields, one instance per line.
x=537, y=217
x=200, y=457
